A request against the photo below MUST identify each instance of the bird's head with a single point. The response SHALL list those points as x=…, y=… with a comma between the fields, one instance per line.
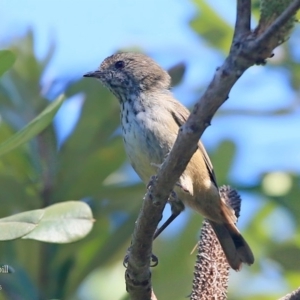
x=129, y=73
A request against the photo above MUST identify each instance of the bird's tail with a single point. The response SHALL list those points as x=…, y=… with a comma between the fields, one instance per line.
x=235, y=248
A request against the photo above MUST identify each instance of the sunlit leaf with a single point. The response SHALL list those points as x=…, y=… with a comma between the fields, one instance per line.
x=7, y=59
x=18, y=225
x=63, y=223
x=33, y=128
x=59, y=223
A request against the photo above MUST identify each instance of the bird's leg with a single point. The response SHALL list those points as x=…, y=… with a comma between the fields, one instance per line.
x=165, y=225
x=177, y=207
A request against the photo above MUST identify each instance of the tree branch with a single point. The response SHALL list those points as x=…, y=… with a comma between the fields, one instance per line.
x=245, y=52
x=138, y=275
x=295, y=295
x=243, y=18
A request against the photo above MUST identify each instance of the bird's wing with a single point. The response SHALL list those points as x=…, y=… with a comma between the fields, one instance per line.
x=180, y=114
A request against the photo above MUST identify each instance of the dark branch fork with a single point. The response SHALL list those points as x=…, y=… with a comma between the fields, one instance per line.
x=247, y=49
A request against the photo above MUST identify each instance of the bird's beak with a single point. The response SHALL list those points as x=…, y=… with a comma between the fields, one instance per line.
x=96, y=74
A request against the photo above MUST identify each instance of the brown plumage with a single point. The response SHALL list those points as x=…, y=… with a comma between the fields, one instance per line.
x=151, y=118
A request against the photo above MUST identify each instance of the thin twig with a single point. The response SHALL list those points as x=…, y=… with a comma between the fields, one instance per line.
x=279, y=22
x=243, y=19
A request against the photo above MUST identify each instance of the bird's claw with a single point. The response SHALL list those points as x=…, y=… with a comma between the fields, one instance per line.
x=150, y=183
x=125, y=261
x=126, y=258
x=176, y=205
x=153, y=260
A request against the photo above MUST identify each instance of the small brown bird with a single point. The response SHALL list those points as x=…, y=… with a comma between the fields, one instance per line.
x=151, y=118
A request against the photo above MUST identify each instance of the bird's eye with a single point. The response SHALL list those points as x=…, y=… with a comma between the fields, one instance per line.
x=120, y=64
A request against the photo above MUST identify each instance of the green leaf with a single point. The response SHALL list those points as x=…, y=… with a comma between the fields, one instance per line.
x=18, y=225
x=211, y=26
x=98, y=120
x=90, y=171
x=33, y=128
x=59, y=223
x=286, y=254
x=90, y=144
x=227, y=150
x=7, y=59
x=63, y=223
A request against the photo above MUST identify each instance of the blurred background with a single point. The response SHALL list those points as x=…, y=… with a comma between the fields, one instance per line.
x=254, y=144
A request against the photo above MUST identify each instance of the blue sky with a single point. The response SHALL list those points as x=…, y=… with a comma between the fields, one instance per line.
x=86, y=34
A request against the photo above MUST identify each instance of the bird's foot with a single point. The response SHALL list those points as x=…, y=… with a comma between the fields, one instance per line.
x=153, y=260
x=150, y=183
x=176, y=205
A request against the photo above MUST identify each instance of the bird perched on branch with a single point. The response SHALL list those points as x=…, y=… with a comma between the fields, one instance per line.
x=150, y=119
